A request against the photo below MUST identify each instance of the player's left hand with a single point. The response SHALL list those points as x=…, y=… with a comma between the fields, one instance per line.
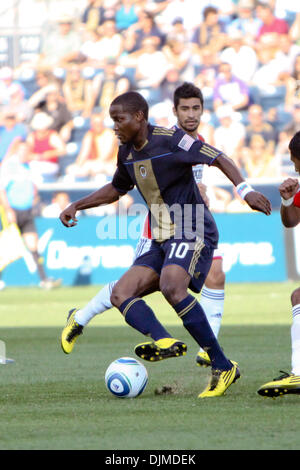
x=258, y=202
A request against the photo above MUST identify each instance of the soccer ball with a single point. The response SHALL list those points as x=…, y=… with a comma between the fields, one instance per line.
x=126, y=377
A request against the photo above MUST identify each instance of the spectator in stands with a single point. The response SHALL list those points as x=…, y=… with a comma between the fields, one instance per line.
x=127, y=14
x=43, y=79
x=287, y=52
x=161, y=114
x=107, y=85
x=55, y=107
x=178, y=32
x=78, y=93
x=18, y=198
x=10, y=131
x=60, y=46
x=211, y=32
x=206, y=128
x=270, y=67
x=295, y=30
x=288, y=131
x=97, y=156
x=179, y=57
x=241, y=57
x=151, y=67
x=270, y=23
x=145, y=28
x=59, y=202
x=18, y=105
x=171, y=81
x=229, y=135
x=45, y=148
x=7, y=81
x=189, y=10
x=294, y=125
x=246, y=22
x=258, y=161
x=93, y=15
x=293, y=86
x=88, y=54
x=258, y=126
x=282, y=147
x=209, y=63
x=207, y=73
x=110, y=44
x=230, y=89
x=157, y=6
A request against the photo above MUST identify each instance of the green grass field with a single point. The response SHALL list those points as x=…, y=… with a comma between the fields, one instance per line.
x=52, y=401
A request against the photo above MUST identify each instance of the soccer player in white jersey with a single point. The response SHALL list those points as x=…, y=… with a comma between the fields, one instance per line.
x=290, y=216
x=188, y=108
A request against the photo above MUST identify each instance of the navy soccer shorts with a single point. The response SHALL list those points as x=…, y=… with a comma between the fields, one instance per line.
x=193, y=256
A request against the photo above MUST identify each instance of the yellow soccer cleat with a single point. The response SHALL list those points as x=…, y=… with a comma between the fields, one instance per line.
x=285, y=384
x=70, y=333
x=160, y=349
x=220, y=381
x=203, y=359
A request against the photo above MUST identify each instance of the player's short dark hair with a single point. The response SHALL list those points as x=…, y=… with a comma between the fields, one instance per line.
x=187, y=90
x=132, y=102
x=294, y=145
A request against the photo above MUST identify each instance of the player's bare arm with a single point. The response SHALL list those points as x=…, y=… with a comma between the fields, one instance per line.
x=105, y=195
x=256, y=200
x=290, y=214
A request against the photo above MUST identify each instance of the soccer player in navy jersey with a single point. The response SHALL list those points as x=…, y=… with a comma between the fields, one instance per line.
x=159, y=163
x=290, y=215
x=188, y=108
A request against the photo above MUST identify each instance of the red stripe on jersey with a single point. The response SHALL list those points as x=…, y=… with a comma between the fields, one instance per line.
x=146, y=233
x=296, y=201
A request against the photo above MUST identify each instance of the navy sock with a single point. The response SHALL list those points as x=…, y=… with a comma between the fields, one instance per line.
x=141, y=317
x=196, y=323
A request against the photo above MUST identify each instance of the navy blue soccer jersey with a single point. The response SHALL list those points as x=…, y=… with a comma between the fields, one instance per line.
x=162, y=171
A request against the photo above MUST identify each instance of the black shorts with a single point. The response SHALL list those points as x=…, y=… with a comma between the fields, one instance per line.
x=193, y=256
x=25, y=221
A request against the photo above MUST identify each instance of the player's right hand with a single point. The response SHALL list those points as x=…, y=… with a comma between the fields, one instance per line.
x=289, y=188
x=68, y=216
x=258, y=202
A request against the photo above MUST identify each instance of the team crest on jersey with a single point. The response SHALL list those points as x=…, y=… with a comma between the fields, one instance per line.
x=143, y=171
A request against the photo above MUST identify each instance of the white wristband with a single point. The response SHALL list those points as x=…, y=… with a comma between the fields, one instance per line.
x=243, y=189
x=287, y=202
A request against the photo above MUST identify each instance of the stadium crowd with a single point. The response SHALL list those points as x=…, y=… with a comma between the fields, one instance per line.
x=243, y=54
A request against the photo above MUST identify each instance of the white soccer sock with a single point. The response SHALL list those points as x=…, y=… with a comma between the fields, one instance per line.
x=295, y=337
x=212, y=302
x=98, y=304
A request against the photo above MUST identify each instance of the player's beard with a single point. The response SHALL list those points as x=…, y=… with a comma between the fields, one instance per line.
x=190, y=128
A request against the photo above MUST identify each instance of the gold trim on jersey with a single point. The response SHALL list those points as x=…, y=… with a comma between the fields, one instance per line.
x=209, y=151
x=163, y=131
x=142, y=146
x=163, y=228
x=199, y=245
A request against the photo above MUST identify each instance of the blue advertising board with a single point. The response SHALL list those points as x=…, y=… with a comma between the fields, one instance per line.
x=101, y=249
x=253, y=247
